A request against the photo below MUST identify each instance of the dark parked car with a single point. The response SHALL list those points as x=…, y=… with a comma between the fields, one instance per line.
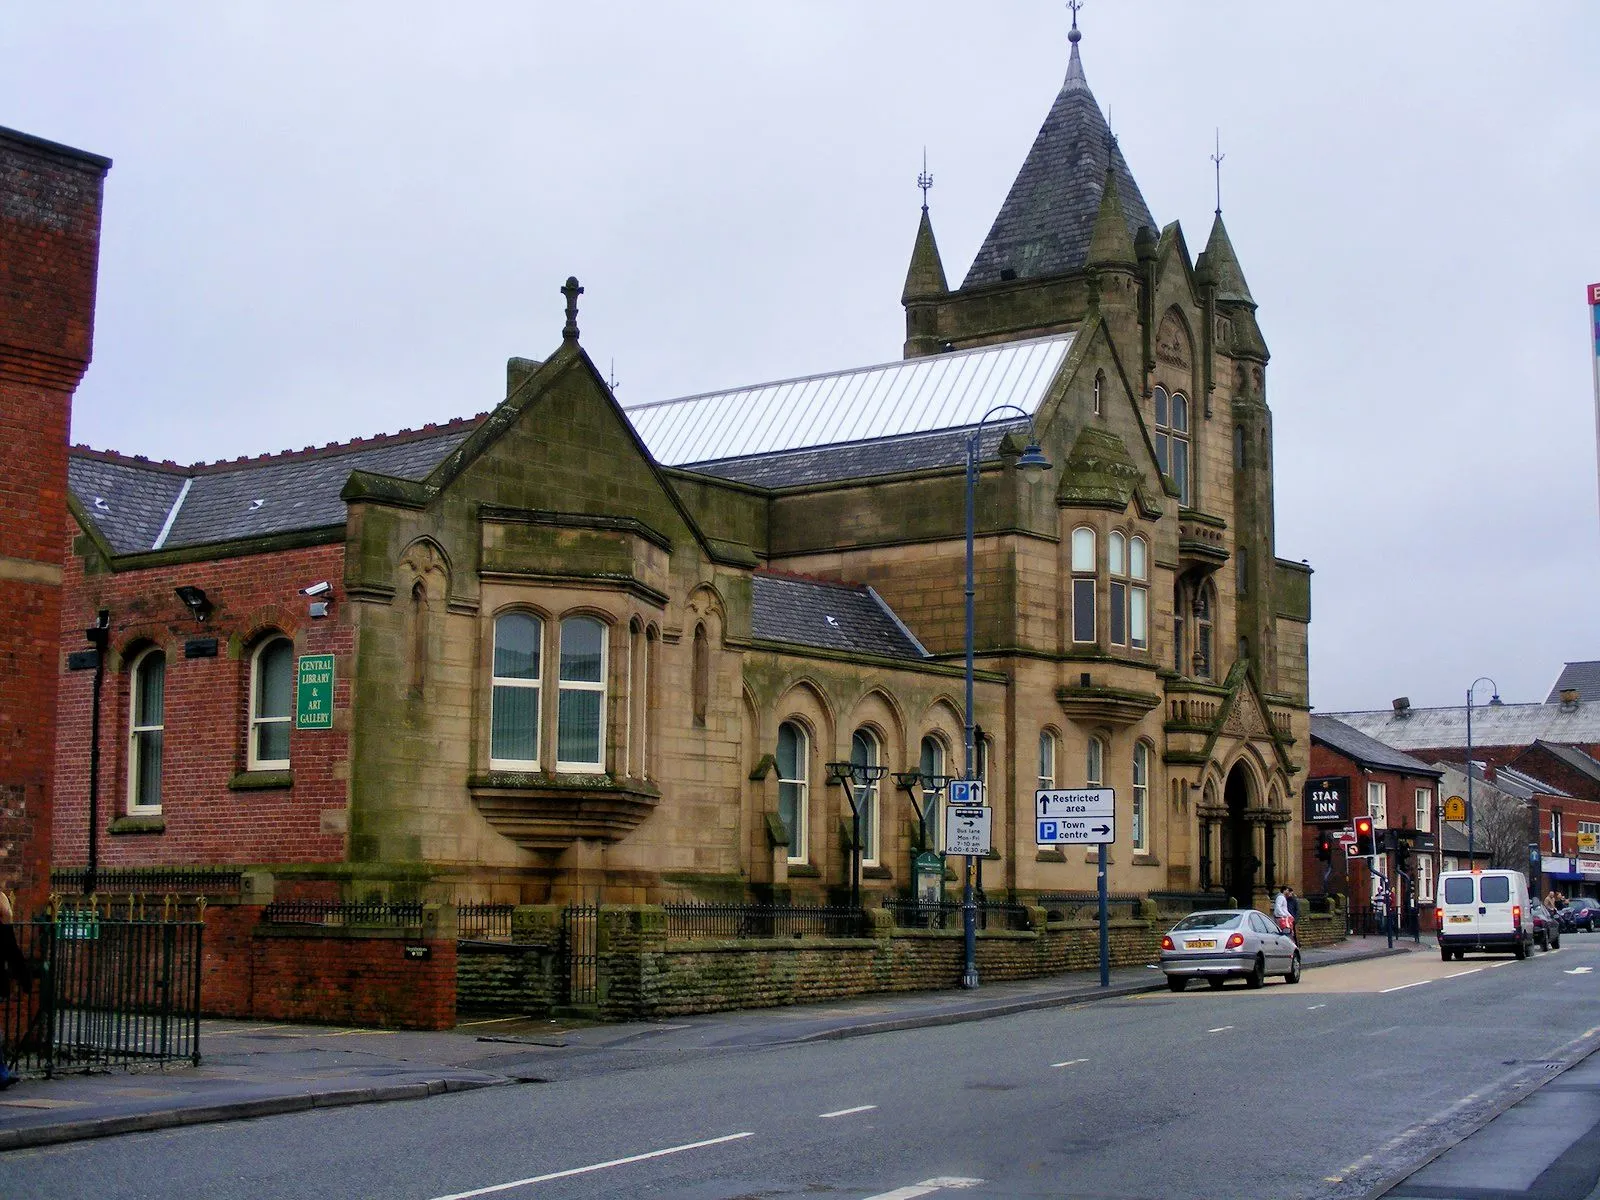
x=1581, y=912
x=1546, y=929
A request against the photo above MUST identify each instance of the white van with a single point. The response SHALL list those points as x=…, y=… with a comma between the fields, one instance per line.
x=1483, y=910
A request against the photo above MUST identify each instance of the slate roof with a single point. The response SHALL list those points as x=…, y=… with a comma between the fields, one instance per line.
x=917, y=395
x=1585, y=676
x=1364, y=750
x=858, y=460
x=826, y=615
x=1045, y=225
x=132, y=500
x=1492, y=725
x=1584, y=764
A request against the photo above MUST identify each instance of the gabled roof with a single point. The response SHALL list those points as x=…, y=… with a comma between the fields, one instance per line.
x=821, y=614
x=139, y=505
x=1585, y=764
x=1365, y=751
x=1585, y=676
x=917, y=395
x=1045, y=225
x=1492, y=725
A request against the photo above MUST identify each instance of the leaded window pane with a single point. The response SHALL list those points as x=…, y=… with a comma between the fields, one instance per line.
x=275, y=681
x=578, y=727
x=1180, y=468
x=516, y=646
x=789, y=740
x=1114, y=545
x=1083, y=610
x=151, y=692
x=1180, y=414
x=272, y=741
x=147, y=773
x=582, y=650
x=1139, y=618
x=1119, y=614
x=1083, y=549
x=1094, y=763
x=1161, y=406
x=514, y=735
x=1137, y=567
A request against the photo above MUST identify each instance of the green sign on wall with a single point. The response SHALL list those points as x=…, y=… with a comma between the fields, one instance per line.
x=313, y=692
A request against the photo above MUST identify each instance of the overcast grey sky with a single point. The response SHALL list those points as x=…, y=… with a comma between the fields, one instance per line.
x=332, y=220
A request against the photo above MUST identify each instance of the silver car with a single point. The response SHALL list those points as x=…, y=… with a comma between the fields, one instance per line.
x=1228, y=942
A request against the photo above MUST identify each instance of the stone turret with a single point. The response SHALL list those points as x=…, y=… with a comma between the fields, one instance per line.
x=925, y=287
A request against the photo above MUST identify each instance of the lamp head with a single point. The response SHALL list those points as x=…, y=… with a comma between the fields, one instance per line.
x=196, y=601
x=1033, y=464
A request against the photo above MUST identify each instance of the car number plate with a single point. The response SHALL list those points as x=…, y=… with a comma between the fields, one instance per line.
x=1202, y=944
x=1455, y=919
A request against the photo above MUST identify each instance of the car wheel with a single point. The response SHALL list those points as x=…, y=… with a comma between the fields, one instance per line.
x=1294, y=969
x=1544, y=942
x=1258, y=973
x=1177, y=983
x=1444, y=953
x=1521, y=951
x=1216, y=982
x=1555, y=942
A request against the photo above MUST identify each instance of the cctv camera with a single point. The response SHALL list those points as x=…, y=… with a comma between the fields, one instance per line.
x=317, y=589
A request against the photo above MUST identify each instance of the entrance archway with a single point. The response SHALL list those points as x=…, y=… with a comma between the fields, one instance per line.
x=1239, y=863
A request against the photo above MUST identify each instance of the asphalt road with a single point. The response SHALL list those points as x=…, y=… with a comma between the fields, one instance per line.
x=1328, y=1089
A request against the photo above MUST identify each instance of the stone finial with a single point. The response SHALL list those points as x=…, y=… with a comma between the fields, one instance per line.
x=571, y=290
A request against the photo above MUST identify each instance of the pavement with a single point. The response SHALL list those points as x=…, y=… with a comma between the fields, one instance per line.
x=258, y=1068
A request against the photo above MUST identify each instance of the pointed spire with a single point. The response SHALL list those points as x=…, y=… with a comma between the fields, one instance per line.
x=1109, y=244
x=925, y=278
x=1223, y=264
x=1048, y=220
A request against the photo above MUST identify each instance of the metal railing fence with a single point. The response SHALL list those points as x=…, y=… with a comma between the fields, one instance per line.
x=1068, y=904
x=206, y=881
x=104, y=993
x=332, y=912
x=946, y=914
x=691, y=920
x=484, y=922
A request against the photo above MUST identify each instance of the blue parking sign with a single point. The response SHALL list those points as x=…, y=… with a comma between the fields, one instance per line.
x=965, y=791
x=1047, y=833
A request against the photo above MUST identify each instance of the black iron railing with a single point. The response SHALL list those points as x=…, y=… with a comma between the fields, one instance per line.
x=580, y=954
x=1071, y=904
x=1376, y=922
x=914, y=914
x=128, y=906
x=205, y=881
x=103, y=993
x=484, y=922
x=693, y=920
x=332, y=912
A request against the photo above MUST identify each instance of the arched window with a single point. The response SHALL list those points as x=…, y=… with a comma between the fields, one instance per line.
x=419, y=637
x=934, y=781
x=271, y=704
x=1099, y=389
x=1141, y=797
x=1047, y=759
x=702, y=674
x=514, y=700
x=581, y=699
x=1083, y=584
x=1117, y=568
x=794, y=760
x=146, y=728
x=1172, y=439
x=864, y=752
x=1094, y=763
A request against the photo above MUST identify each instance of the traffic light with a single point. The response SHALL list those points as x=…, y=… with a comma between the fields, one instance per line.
x=1325, y=847
x=1365, y=846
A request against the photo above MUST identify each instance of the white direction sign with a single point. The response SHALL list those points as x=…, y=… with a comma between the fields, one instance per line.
x=966, y=829
x=1075, y=816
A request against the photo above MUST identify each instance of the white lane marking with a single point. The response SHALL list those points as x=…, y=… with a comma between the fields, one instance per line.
x=488, y=1021
x=1459, y=974
x=1071, y=1062
x=927, y=1187
x=615, y=1162
x=1400, y=987
x=846, y=1112
x=1314, y=1007
x=1220, y=1029
x=1578, y=971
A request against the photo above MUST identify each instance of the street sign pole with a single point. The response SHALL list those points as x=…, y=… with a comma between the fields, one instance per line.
x=1105, y=930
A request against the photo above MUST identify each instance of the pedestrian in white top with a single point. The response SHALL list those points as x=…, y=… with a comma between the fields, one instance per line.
x=1280, y=910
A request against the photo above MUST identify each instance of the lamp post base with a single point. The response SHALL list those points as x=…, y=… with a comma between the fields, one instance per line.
x=969, y=931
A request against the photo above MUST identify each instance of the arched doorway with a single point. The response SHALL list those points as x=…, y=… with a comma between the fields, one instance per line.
x=1239, y=863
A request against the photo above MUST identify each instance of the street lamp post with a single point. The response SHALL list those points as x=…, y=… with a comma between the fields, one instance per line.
x=855, y=778
x=1033, y=464
x=1494, y=698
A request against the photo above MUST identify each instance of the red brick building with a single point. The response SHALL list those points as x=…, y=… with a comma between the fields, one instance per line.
x=1395, y=789
x=49, y=257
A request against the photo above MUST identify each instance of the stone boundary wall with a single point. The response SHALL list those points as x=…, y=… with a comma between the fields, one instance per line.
x=641, y=974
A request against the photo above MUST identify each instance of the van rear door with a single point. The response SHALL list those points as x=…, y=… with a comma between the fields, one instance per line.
x=1495, y=898
x=1459, y=899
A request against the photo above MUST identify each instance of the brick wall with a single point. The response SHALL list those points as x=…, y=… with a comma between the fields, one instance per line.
x=1400, y=788
x=347, y=976
x=209, y=814
x=49, y=255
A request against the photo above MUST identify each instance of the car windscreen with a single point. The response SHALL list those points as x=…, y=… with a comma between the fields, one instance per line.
x=1494, y=889
x=1458, y=890
x=1216, y=920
